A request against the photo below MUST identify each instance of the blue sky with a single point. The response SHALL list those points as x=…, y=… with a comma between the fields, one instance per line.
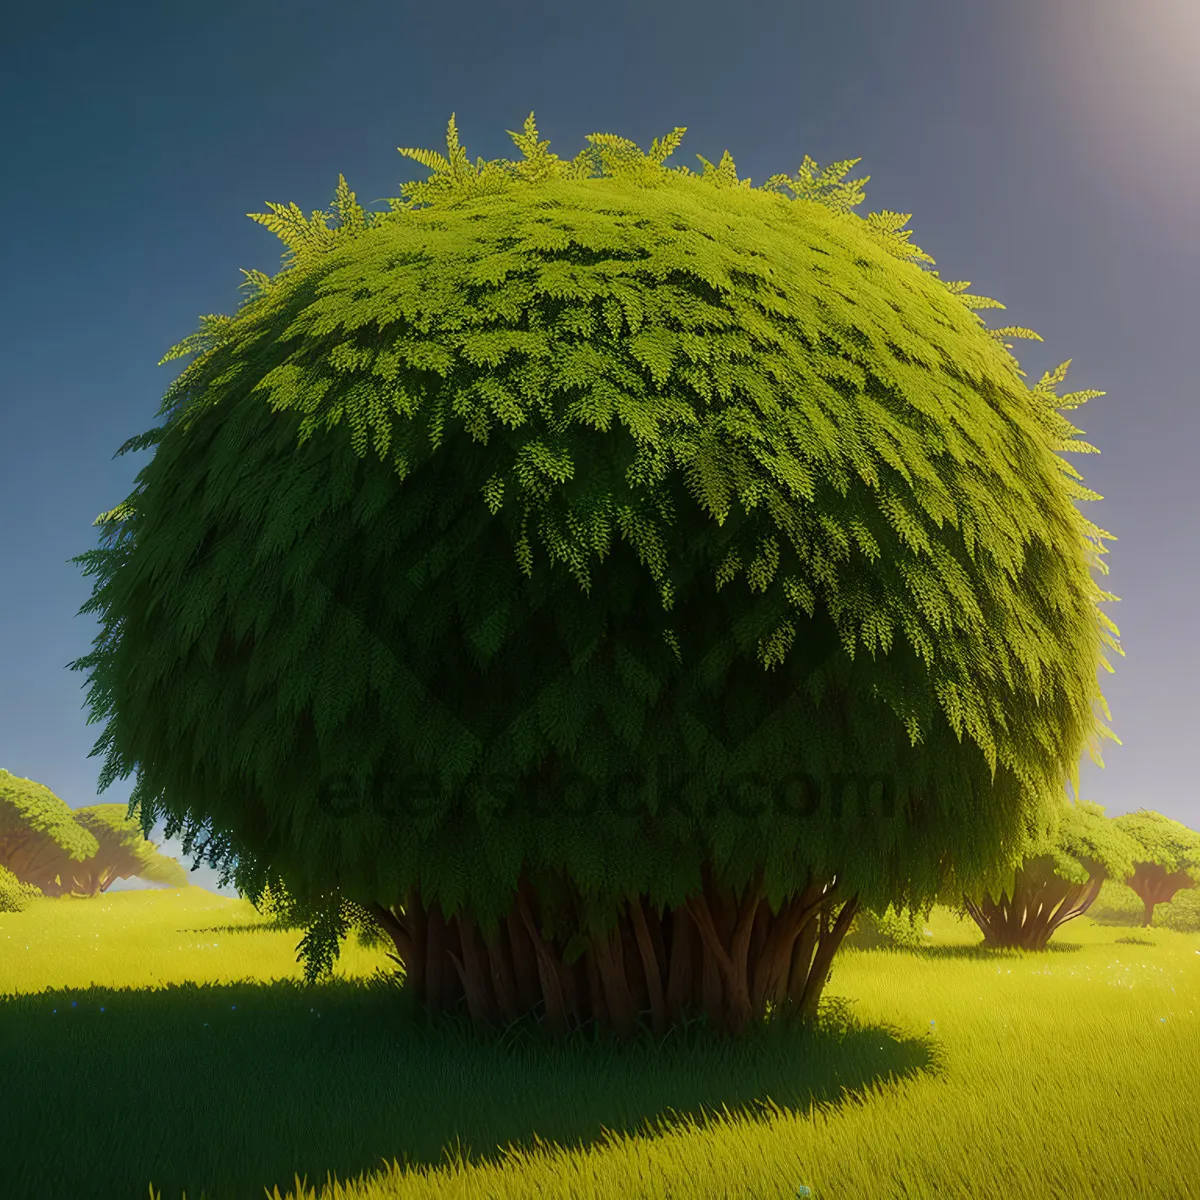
x=1047, y=150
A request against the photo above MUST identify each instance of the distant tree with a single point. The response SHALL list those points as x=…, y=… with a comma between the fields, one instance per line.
x=39, y=834
x=1057, y=882
x=540, y=782
x=41, y=839
x=1170, y=859
x=124, y=853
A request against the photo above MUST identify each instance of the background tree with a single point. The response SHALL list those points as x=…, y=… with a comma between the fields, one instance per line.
x=124, y=853
x=39, y=835
x=1057, y=882
x=1170, y=858
x=797, y=516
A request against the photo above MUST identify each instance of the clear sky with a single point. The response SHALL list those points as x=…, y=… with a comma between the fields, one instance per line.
x=1049, y=151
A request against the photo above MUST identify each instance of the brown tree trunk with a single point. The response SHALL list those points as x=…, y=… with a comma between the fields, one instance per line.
x=727, y=955
x=476, y=979
x=829, y=938
x=1039, y=905
x=651, y=956
x=598, y=1007
x=548, y=974
x=524, y=963
x=435, y=937
x=501, y=968
x=682, y=970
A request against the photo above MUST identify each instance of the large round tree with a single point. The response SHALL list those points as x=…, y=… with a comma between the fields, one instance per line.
x=602, y=578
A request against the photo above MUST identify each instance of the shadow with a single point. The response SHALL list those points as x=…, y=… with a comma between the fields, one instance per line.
x=980, y=951
x=1116, y=916
x=229, y=1089
x=267, y=925
x=869, y=939
x=1134, y=941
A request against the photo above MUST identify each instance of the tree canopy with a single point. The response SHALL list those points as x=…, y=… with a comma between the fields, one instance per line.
x=1169, y=861
x=565, y=475
x=1164, y=842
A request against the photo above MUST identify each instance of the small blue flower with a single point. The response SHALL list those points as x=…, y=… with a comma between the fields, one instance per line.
x=803, y=1191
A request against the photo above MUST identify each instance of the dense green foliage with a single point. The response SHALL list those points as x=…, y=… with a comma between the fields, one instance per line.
x=14, y=894
x=889, y=929
x=544, y=476
x=1164, y=842
x=1182, y=914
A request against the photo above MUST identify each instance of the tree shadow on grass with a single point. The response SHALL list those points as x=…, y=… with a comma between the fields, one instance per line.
x=235, y=1088
x=980, y=951
x=1118, y=917
x=268, y=925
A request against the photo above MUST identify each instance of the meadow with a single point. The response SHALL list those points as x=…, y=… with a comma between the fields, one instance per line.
x=161, y=1044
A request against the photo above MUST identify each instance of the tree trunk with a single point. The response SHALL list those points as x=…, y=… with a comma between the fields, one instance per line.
x=1040, y=903
x=727, y=955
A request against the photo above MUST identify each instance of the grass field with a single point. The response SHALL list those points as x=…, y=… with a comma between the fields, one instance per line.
x=162, y=1044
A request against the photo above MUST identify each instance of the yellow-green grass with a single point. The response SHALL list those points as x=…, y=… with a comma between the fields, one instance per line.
x=161, y=1043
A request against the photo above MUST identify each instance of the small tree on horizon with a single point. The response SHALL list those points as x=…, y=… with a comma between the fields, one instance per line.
x=1170, y=859
x=42, y=840
x=124, y=853
x=506, y=555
